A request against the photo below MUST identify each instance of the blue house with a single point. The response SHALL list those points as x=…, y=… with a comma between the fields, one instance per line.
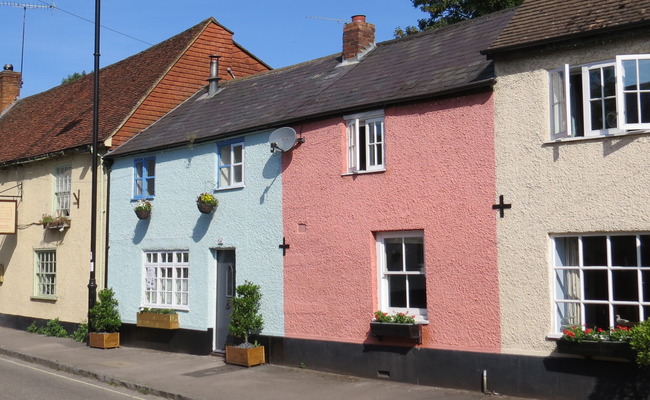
x=182, y=259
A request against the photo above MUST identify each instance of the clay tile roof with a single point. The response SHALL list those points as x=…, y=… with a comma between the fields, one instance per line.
x=539, y=22
x=61, y=118
x=434, y=63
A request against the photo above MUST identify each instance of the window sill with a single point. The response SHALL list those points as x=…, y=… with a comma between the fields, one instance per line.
x=598, y=137
x=221, y=189
x=50, y=299
x=363, y=172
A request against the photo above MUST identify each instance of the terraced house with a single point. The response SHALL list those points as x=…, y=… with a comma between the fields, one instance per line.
x=45, y=166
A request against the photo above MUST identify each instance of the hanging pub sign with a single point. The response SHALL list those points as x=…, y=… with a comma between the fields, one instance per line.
x=8, y=217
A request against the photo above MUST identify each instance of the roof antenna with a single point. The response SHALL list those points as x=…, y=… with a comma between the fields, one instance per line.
x=25, y=6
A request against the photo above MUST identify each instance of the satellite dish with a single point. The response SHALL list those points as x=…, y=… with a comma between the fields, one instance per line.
x=283, y=139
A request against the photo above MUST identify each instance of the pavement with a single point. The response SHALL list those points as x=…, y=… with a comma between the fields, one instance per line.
x=190, y=377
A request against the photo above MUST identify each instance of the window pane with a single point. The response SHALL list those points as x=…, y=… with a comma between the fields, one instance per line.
x=645, y=250
x=238, y=154
x=644, y=74
x=566, y=251
x=151, y=187
x=595, y=84
x=238, y=174
x=631, y=108
x=414, y=248
x=625, y=286
x=397, y=291
x=629, y=79
x=628, y=312
x=645, y=107
x=224, y=155
x=645, y=286
x=595, y=250
x=568, y=314
x=595, y=285
x=610, y=114
x=596, y=114
x=151, y=167
x=417, y=291
x=394, y=259
x=225, y=176
x=597, y=316
x=609, y=75
x=567, y=284
x=623, y=251
x=139, y=169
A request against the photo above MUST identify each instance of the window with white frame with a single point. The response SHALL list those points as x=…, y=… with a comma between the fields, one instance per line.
x=166, y=279
x=602, y=98
x=45, y=273
x=402, y=275
x=365, y=142
x=144, y=177
x=62, y=188
x=600, y=276
x=231, y=164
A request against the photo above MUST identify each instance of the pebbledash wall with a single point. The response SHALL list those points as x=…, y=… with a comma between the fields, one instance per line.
x=439, y=178
x=248, y=219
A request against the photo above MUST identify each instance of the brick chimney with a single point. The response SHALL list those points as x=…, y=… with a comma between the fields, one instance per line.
x=358, y=38
x=10, y=83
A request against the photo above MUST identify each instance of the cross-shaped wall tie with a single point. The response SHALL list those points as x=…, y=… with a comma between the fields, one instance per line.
x=501, y=206
x=284, y=246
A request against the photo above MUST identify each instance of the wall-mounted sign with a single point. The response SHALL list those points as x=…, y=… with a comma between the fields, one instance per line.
x=8, y=217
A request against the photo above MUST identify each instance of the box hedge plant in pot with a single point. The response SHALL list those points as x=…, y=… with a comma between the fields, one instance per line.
x=104, y=321
x=245, y=320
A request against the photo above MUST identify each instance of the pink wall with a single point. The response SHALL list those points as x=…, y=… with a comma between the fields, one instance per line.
x=439, y=178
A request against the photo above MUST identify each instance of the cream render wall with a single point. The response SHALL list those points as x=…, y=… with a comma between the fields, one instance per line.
x=574, y=186
x=72, y=245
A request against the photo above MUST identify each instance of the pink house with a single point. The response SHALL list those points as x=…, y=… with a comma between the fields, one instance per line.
x=387, y=206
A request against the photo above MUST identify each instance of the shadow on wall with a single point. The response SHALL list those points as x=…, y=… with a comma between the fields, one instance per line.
x=141, y=228
x=7, y=248
x=201, y=226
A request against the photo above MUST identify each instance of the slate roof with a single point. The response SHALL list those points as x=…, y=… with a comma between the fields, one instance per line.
x=426, y=65
x=540, y=22
x=60, y=119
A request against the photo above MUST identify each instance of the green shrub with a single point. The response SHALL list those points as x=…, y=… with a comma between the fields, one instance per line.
x=245, y=318
x=104, y=316
x=81, y=334
x=640, y=342
x=54, y=328
x=32, y=328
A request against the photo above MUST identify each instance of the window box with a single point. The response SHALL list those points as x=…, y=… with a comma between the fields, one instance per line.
x=596, y=349
x=63, y=224
x=157, y=320
x=388, y=329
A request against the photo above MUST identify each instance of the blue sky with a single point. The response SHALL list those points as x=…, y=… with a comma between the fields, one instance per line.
x=59, y=42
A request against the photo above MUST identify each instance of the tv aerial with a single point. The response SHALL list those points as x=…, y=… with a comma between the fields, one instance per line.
x=284, y=139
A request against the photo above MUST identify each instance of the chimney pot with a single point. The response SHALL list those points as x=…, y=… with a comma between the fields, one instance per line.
x=8, y=67
x=213, y=85
x=358, y=38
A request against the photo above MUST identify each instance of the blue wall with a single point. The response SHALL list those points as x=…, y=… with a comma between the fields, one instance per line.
x=248, y=219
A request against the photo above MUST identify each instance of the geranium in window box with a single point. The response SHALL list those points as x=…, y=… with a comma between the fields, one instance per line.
x=587, y=342
x=160, y=318
x=206, y=203
x=143, y=209
x=50, y=222
x=399, y=325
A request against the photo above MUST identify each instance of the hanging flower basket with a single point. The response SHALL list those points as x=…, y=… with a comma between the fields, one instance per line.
x=143, y=214
x=206, y=203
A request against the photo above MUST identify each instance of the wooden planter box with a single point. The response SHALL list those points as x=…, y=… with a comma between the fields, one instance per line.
x=388, y=329
x=157, y=320
x=247, y=357
x=104, y=340
x=597, y=349
x=57, y=224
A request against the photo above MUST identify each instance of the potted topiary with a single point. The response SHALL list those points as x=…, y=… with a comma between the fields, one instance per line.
x=104, y=321
x=206, y=203
x=142, y=209
x=245, y=320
